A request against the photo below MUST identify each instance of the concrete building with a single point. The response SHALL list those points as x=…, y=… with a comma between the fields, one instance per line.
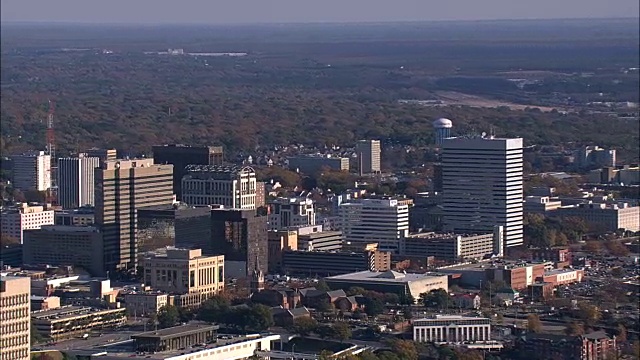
x=261, y=194
x=604, y=217
x=540, y=204
x=102, y=154
x=563, y=276
x=122, y=187
x=280, y=241
x=76, y=181
x=72, y=321
x=451, y=329
x=186, y=273
x=182, y=155
x=390, y=282
x=10, y=255
x=453, y=247
x=311, y=164
x=442, y=127
x=230, y=186
x=146, y=303
x=321, y=241
x=241, y=236
x=595, y=156
x=515, y=275
x=482, y=186
x=593, y=346
x=291, y=212
x=626, y=175
x=384, y=221
x=15, y=220
x=32, y=171
x=15, y=327
x=84, y=216
x=467, y=301
x=59, y=245
x=173, y=225
x=368, y=152
x=327, y=263
x=44, y=302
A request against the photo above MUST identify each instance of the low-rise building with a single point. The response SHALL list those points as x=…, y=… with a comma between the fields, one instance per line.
x=44, y=302
x=596, y=345
x=540, y=204
x=175, y=338
x=467, y=301
x=334, y=262
x=403, y=284
x=15, y=220
x=452, y=248
x=451, y=329
x=604, y=217
x=279, y=241
x=71, y=321
x=83, y=216
x=563, y=276
x=310, y=164
x=516, y=275
x=291, y=212
x=320, y=241
x=146, y=303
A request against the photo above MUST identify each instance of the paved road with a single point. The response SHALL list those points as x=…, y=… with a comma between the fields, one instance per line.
x=92, y=341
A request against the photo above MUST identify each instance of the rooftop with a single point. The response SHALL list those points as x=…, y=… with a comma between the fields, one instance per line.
x=67, y=312
x=490, y=264
x=218, y=169
x=177, y=331
x=386, y=276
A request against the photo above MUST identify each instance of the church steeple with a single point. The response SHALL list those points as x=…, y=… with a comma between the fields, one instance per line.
x=257, y=278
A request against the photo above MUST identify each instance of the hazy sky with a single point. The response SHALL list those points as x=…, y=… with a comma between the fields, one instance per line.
x=251, y=11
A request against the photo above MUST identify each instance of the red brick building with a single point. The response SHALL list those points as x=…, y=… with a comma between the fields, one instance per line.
x=518, y=277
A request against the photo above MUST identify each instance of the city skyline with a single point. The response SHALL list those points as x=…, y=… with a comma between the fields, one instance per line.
x=289, y=11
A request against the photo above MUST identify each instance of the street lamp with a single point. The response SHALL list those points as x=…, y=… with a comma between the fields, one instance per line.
x=293, y=352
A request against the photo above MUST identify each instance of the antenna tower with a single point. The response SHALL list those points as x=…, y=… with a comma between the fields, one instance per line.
x=51, y=151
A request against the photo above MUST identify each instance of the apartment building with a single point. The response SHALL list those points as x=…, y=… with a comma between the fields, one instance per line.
x=482, y=186
x=311, y=164
x=76, y=181
x=122, y=187
x=384, y=221
x=60, y=245
x=15, y=220
x=32, y=171
x=186, y=273
x=230, y=186
x=182, y=155
x=291, y=212
x=368, y=153
x=15, y=323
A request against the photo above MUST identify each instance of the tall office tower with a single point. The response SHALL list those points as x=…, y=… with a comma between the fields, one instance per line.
x=15, y=312
x=76, y=181
x=365, y=221
x=291, y=212
x=123, y=186
x=368, y=152
x=32, y=171
x=482, y=186
x=241, y=236
x=182, y=155
x=102, y=154
x=231, y=186
x=443, y=130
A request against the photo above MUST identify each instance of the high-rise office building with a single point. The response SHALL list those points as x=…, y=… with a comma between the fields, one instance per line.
x=368, y=152
x=482, y=186
x=241, y=236
x=15, y=312
x=443, y=130
x=32, y=171
x=102, y=154
x=123, y=186
x=182, y=155
x=76, y=185
x=291, y=212
x=173, y=225
x=231, y=186
x=382, y=221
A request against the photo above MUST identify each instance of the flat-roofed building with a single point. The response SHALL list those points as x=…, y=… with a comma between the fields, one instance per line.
x=32, y=171
x=334, y=262
x=230, y=186
x=84, y=216
x=14, y=220
x=10, y=255
x=279, y=241
x=403, y=284
x=187, y=273
x=71, y=321
x=15, y=327
x=321, y=241
x=563, y=276
x=44, y=302
x=76, y=181
x=65, y=245
x=453, y=247
x=291, y=212
x=146, y=303
x=176, y=224
x=451, y=329
x=102, y=154
x=368, y=153
x=604, y=217
x=175, y=338
x=311, y=164
x=540, y=204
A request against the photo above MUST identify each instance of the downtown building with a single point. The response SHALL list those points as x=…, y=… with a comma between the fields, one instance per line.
x=76, y=184
x=368, y=153
x=15, y=220
x=32, y=171
x=122, y=187
x=291, y=212
x=180, y=156
x=15, y=309
x=230, y=186
x=482, y=179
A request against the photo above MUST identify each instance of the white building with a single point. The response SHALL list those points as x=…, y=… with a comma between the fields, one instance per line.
x=24, y=217
x=230, y=186
x=368, y=152
x=442, y=128
x=32, y=171
x=76, y=186
x=365, y=221
x=291, y=212
x=453, y=247
x=482, y=186
x=604, y=217
x=451, y=328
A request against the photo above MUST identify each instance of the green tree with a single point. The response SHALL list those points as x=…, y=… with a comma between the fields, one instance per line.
x=621, y=334
x=324, y=331
x=214, y=309
x=437, y=299
x=35, y=335
x=574, y=329
x=391, y=298
x=534, y=324
x=341, y=331
x=304, y=326
x=405, y=349
x=325, y=355
x=322, y=285
x=168, y=316
x=355, y=290
x=373, y=307
x=588, y=313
